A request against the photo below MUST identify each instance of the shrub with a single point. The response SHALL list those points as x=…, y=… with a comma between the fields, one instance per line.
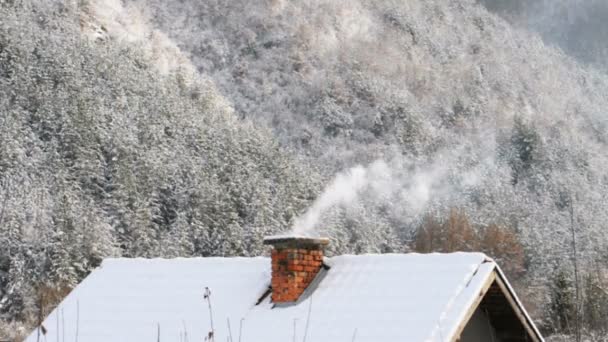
x=457, y=233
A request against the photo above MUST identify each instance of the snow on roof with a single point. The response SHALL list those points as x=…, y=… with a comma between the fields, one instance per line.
x=295, y=240
x=389, y=297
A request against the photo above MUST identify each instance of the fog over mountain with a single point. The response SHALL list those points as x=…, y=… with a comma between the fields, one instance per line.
x=186, y=128
x=579, y=27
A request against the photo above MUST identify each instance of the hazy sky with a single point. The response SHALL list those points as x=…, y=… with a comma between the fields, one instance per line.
x=579, y=27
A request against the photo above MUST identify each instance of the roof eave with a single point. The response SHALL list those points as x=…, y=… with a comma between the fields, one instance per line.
x=499, y=277
x=516, y=304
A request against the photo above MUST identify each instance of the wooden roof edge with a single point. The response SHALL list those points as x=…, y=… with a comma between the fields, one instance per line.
x=501, y=280
x=517, y=305
x=471, y=310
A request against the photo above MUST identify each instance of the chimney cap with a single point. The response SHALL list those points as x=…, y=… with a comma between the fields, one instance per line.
x=294, y=241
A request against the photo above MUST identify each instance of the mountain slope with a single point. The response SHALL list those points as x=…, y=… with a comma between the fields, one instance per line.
x=102, y=155
x=114, y=142
x=505, y=127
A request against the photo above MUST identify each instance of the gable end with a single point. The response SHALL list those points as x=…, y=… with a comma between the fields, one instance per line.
x=507, y=318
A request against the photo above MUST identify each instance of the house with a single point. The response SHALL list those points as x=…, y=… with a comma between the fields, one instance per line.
x=295, y=295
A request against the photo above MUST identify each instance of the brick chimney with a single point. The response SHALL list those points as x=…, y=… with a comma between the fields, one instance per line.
x=296, y=261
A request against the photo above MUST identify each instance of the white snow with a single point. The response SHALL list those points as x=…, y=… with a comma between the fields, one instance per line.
x=390, y=297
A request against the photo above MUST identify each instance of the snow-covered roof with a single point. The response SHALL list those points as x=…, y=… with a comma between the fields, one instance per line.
x=389, y=297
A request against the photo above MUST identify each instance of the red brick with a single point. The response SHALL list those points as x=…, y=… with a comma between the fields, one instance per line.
x=292, y=272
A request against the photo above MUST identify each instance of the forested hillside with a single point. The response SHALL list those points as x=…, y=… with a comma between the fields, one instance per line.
x=469, y=112
x=180, y=128
x=101, y=155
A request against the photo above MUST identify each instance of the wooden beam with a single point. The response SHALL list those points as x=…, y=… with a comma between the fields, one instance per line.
x=471, y=310
x=517, y=309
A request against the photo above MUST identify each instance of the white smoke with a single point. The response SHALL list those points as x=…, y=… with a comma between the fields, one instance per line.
x=343, y=190
x=409, y=187
x=402, y=183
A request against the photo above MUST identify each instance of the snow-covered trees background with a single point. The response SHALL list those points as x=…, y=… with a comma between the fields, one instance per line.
x=180, y=128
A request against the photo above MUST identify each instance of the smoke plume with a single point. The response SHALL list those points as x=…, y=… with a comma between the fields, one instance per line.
x=343, y=190
x=408, y=186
